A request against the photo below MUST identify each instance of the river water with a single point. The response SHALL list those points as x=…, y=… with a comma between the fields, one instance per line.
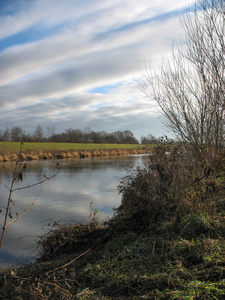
x=65, y=198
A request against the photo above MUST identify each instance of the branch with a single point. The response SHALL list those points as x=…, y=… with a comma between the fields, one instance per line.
x=37, y=183
x=18, y=216
x=6, y=168
x=67, y=263
x=5, y=186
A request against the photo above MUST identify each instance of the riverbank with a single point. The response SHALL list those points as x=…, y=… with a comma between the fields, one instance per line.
x=165, y=241
x=97, y=261
x=36, y=151
x=75, y=154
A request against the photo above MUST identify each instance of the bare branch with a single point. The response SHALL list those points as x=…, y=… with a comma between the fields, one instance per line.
x=8, y=169
x=5, y=186
x=37, y=183
x=18, y=216
x=18, y=174
x=190, y=88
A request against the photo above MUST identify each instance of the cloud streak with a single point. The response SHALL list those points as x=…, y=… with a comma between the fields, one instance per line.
x=71, y=51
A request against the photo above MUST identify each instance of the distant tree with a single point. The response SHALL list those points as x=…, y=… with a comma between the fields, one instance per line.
x=103, y=135
x=119, y=138
x=110, y=138
x=73, y=135
x=149, y=139
x=50, y=132
x=87, y=130
x=1, y=135
x=59, y=138
x=17, y=134
x=87, y=135
x=69, y=135
x=129, y=137
x=38, y=133
x=28, y=138
x=97, y=137
x=6, y=135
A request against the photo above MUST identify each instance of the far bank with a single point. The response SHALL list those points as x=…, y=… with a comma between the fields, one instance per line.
x=9, y=151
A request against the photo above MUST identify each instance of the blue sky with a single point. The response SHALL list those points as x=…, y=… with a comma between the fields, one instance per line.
x=75, y=64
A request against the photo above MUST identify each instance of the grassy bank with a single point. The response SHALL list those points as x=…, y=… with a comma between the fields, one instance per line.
x=83, y=262
x=15, y=146
x=33, y=151
x=165, y=241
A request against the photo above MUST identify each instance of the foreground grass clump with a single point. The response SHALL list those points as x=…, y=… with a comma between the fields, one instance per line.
x=165, y=241
x=129, y=266
x=156, y=268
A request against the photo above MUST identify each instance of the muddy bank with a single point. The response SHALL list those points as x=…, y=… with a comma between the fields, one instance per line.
x=76, y=154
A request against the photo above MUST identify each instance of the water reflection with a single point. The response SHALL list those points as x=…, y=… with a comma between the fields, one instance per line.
x=64, y=198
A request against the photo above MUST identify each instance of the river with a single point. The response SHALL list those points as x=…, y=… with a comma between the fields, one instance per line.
x=65, y=198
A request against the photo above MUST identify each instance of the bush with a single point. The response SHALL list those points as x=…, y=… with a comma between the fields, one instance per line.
x=171, y=187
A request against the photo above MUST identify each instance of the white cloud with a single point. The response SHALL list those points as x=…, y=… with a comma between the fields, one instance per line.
x=102, y=13
x=86, y=45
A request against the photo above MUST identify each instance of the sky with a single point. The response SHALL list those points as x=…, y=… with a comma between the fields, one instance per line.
x=77, y=63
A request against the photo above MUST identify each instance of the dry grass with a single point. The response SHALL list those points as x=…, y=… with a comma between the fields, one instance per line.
x=34, y=151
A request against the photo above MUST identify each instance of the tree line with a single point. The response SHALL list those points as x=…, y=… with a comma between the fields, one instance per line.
x=71, y=135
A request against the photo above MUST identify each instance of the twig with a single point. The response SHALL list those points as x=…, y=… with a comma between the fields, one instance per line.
x=68, y=262
x=5, y=186
x=34, y=294
x=6, y=168
x=18, y=175
x=15, y=219
x=8, y=205
x=37, y=183
x=41, y=281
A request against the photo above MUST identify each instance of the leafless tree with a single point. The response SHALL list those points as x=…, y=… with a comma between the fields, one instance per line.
x=38, y=133
x=190, y=88
x=51, y=132
x=17, y=134
x=17, y=174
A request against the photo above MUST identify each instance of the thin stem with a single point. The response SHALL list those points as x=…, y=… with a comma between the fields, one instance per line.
x=37, y=183
x=8, y=205
x=15, y=219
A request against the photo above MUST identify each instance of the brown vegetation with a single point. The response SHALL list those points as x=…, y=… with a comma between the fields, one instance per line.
x=35, y=155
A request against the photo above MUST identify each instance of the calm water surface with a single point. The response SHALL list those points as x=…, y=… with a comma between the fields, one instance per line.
x=65, y=198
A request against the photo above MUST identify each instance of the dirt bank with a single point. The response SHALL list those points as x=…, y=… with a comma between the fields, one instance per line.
x=76, y=154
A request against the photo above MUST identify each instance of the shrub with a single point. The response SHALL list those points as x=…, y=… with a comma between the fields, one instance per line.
x=171, y=186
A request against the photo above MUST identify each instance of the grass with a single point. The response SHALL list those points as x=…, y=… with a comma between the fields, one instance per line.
x=14, y=146
x=154, y=267
x=94, y=263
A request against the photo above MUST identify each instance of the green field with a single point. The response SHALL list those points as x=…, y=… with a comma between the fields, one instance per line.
x=15, y=146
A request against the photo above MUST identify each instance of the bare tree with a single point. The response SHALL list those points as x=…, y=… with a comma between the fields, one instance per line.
x=51, y=132
x=6, y=135
x=17, y=134
x=38, y=133
x=190, y=88
x=149, y=139
x=17, y=174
